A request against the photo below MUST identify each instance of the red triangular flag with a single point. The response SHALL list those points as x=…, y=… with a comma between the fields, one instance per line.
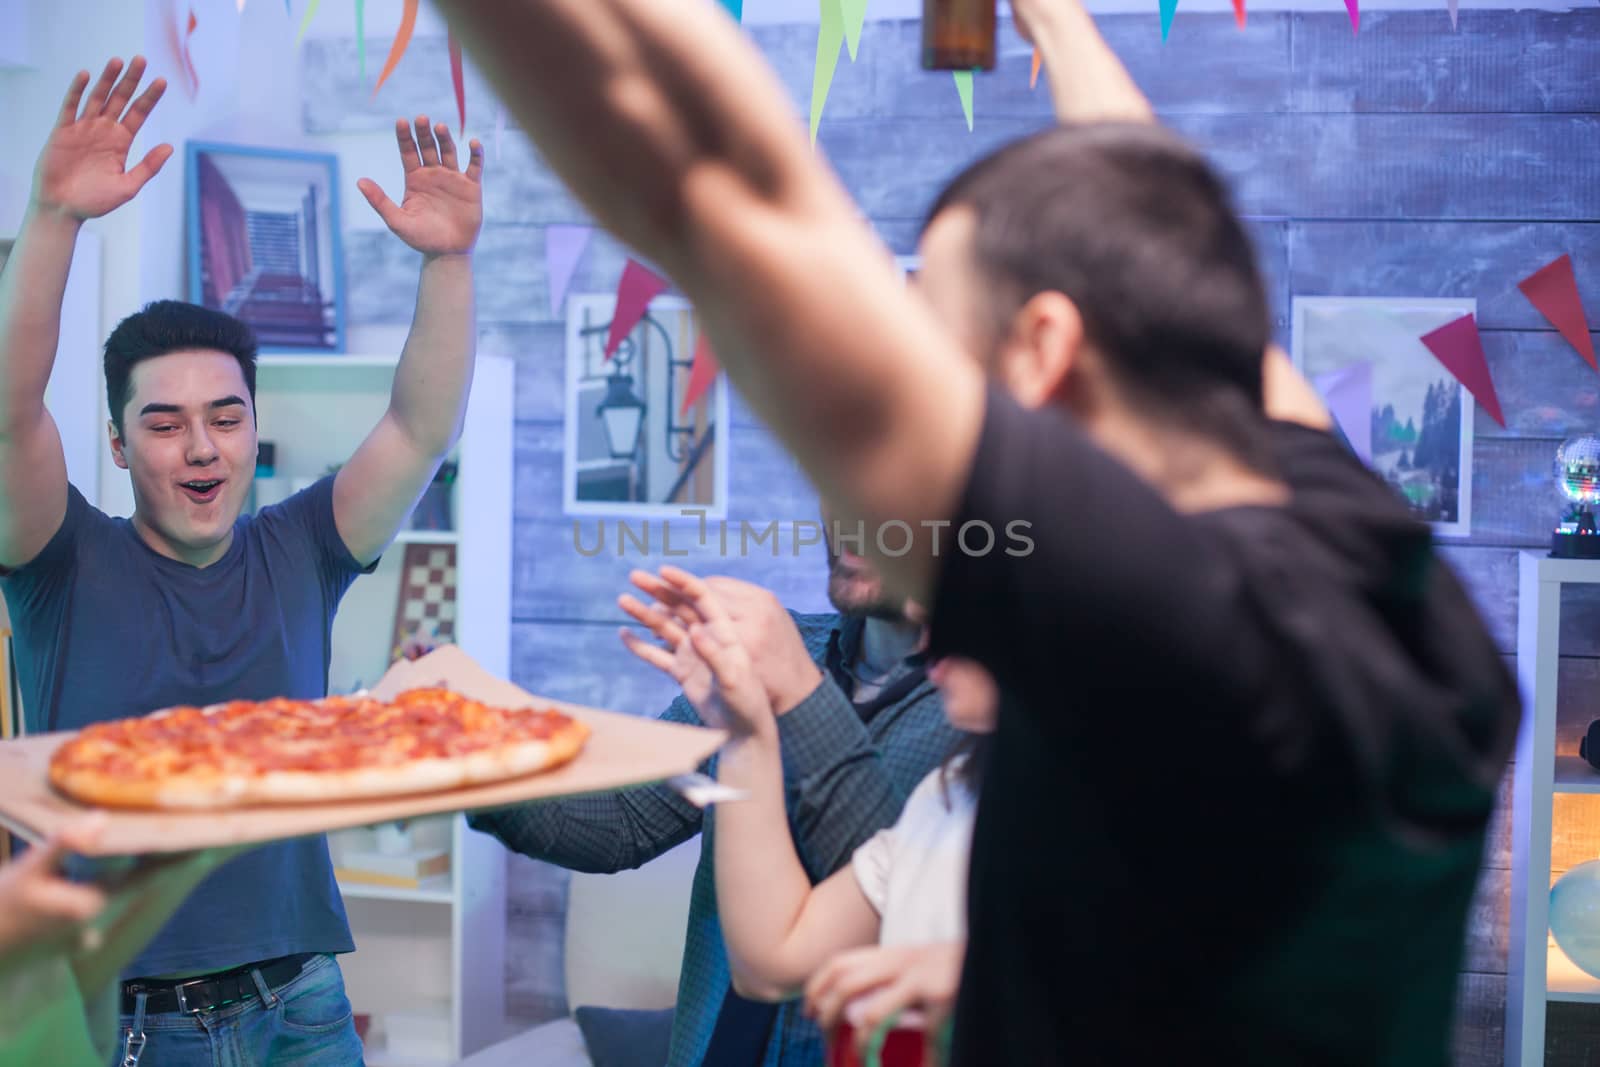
x=701, y=374
x=1458, y=346
x=454, y=47
x=639, y=285
x=1554, y=291
x=1238, y=12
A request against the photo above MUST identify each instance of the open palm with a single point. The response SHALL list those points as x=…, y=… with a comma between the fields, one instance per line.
x=703, y=652
x=83, y=170
x=442, y=207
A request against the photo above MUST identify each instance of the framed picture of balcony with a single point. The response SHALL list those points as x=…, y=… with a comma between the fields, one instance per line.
x=633, y=446
x=263, y=237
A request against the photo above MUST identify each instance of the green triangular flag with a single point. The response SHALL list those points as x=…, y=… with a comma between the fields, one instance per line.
x=305, y=21
x=964, y=88
x=1168, y=9
x=855, y=16
x=361, y=38
x=830, y=39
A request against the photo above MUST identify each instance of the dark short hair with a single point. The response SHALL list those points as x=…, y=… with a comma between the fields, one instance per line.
x=166, y=326
x=1133, y=226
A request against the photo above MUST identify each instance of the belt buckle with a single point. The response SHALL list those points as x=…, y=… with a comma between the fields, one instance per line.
x=183, y=1001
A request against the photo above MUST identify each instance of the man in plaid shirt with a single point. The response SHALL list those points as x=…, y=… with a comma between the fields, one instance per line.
x=860, y=726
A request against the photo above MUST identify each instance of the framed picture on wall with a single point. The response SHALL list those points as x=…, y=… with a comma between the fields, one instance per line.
x=1366, y=357
x=263, y=233
x=632, y=447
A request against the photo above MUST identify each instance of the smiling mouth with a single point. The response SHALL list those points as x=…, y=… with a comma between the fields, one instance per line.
x=202, y=491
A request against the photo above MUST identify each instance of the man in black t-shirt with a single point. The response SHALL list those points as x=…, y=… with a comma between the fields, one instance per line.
x=1252, y=726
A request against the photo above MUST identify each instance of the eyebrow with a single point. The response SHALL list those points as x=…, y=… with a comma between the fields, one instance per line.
x=173, y=409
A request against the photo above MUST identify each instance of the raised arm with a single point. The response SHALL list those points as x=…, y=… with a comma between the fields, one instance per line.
x=663, y=119
x=1088, y=83
x=82, y=174
x=439, y=216
x=779, y=928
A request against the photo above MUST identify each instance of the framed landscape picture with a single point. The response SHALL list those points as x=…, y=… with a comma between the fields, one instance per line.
x=1366, y=354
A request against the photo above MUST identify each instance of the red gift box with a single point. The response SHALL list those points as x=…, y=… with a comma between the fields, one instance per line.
x=902, y=1047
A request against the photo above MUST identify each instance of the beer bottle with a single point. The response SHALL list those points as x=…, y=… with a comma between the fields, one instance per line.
x=958, y=34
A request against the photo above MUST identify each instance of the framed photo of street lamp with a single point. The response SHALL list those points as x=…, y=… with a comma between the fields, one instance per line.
x=632, y=446
x=263, y=229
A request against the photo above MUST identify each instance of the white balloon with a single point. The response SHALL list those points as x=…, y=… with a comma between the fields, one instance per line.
x=1575, y=915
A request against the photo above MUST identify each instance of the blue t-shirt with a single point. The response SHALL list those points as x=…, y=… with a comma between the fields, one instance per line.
x=107, y=628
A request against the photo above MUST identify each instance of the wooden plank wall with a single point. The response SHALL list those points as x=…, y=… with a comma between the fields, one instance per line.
x=1410, y=160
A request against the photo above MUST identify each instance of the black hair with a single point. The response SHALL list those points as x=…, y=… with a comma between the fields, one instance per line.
x=166, y=326
x=1133, y=226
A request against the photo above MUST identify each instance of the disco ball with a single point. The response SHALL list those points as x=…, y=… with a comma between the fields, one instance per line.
x=1578, y=469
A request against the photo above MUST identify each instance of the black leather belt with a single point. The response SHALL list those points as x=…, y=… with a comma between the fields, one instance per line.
x=210, y=991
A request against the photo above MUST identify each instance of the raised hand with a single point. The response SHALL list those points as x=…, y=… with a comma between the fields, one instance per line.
x=442, y=207
x=702, y=653
x=83, y=170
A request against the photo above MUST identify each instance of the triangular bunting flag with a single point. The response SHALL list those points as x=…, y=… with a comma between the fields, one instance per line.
x=457, y=82
x=179, y=30
x=1453, y=5
x=1033, y=75
x=305, y=21
x=830, y=38
x=1169, y=8
x=854, y=13
x=1239, y=16
x=1348, y=394
x=735, y=8
x=563, y=248
x=361, y=36
x=639, y=285
x=701, y=374
x=964, y=90
x=402, y=40
x=1354, y=7
x=1553, y=289
x=1458, y=346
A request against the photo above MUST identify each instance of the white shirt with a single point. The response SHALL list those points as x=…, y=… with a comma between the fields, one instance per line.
x=914, y=874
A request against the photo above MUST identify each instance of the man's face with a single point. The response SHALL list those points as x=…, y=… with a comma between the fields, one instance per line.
x=854, y=587
x=189, y=444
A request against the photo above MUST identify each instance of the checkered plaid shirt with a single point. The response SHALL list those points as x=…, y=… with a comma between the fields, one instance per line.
x=845, y=780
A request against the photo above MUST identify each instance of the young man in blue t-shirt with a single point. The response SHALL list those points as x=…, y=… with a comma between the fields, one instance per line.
x=187, y=602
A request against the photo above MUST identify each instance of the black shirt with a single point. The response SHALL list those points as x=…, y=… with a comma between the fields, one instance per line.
x=1244, y=765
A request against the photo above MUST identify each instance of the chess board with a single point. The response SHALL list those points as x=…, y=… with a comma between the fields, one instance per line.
x=427, y=603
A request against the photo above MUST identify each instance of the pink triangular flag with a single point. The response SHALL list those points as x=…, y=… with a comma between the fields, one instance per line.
x=1239, y=15
x=1554, y=291
x=1348, y=392
x=563, y=248
x=1354, y=7
x=1458, y=346
x=639, y=285
x=701, y=374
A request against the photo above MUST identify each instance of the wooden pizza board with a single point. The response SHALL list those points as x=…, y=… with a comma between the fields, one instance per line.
x=622, y=751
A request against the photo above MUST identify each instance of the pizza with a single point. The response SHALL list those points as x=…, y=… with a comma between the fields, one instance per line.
x=285, y=751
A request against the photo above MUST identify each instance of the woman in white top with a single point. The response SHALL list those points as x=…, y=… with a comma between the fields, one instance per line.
x=904, y=886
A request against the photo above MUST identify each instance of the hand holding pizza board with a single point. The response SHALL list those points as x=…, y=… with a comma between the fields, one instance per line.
x=621, y=751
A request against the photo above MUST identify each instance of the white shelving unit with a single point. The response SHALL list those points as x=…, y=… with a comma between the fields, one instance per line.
x=1539, y=972
x=436, y=952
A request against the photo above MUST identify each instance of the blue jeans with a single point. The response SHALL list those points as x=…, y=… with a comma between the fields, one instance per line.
x=306, y=1023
